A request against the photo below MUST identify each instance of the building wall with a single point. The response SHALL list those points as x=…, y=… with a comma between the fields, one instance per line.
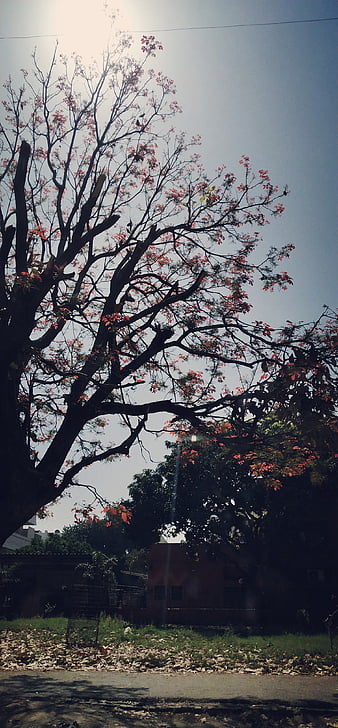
x=23, y=536
x=200, y=590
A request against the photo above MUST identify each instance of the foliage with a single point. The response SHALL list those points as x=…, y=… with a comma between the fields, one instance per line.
x=284, y=540
x=105, y=544
x=124, y=276
x=58, y=544
x=151, y=497
x=215, y=495
x=99, y=568
x=137, y=560
x=107, y=536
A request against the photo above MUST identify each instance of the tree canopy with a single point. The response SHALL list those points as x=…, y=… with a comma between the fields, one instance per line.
x=124, y=277
x=107, y=534
x=281, y=539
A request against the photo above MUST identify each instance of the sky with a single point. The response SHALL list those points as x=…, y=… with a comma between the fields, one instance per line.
x=267, y=88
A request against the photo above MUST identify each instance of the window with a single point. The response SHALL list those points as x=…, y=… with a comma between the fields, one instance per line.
x=159, y=592
x=176, y=593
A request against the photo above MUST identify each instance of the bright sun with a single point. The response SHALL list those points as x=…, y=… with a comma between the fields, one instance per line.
x=85, y=27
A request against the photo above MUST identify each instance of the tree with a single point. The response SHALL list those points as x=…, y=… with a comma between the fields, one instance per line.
x=283, y=540
x=201, y=491
x=124, y=272
x=107, y=535
x=215, y=494
x=58, y=544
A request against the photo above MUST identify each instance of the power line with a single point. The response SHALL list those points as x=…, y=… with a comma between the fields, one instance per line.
x=192, y=27
x=24, y=37
x=235, y=25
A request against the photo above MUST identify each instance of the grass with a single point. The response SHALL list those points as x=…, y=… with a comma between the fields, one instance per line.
x=54, y=625
x=290, y=644
x=113, y=631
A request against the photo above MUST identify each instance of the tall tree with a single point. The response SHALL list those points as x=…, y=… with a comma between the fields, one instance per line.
x=124, y=272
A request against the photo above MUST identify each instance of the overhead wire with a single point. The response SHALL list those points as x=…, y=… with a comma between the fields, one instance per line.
x=25, y=37
x=234, y=25
x=192, y=27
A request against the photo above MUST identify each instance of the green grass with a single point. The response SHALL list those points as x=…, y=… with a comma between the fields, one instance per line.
x=112, y=631
x=294, y=643
x=54, y=625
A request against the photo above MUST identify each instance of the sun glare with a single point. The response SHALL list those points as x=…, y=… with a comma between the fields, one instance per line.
x=85, y=27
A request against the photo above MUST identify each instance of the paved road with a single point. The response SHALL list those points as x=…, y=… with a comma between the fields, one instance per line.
x=140, y=687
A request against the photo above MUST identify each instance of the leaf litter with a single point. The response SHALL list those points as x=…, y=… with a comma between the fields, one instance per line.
x=34, y=649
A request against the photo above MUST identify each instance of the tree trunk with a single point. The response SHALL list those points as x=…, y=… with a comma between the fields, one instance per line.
x=22, y=490
x=21, y=496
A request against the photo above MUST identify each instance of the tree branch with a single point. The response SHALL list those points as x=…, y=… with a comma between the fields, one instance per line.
x=122, y=449
x=21, y=208
x=7, y=239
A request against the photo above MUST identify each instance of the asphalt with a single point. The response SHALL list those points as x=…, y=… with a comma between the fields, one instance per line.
x=303, y=690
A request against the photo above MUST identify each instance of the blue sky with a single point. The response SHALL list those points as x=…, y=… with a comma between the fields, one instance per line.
x=266, y=91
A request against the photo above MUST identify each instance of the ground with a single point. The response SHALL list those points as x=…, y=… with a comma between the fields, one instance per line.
x=70, y=699
x=65, y=713
x=165, y=679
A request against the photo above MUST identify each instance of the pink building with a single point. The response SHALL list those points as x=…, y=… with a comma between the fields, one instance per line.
x=198, y=589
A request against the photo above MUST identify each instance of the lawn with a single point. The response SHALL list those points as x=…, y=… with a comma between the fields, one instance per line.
x=41, y=644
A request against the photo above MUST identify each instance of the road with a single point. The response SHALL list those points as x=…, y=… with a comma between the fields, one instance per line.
x=91, y=699
x=190, y=686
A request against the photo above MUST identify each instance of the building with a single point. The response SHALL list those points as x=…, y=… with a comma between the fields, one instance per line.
x=194, y=590
x=23, y=536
